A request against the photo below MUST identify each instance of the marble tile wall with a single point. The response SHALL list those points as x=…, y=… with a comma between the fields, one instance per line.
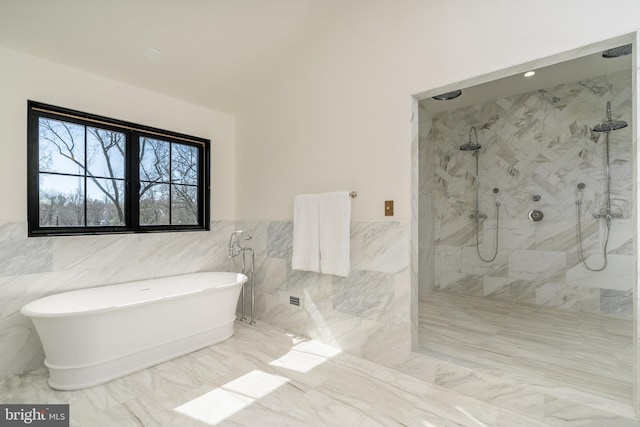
x=34, y=267
x=537, y=143
x=366, y=313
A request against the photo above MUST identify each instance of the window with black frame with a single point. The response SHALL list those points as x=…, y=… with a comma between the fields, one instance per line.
x=90, y=174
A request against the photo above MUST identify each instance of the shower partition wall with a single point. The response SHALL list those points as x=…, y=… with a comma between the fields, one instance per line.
x=541, y=145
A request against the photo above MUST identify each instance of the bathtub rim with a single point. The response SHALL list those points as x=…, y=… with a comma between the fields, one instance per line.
x=27, y=312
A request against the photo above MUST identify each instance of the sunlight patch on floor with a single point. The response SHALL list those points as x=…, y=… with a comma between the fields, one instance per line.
x=223, y=402
x=305, y=356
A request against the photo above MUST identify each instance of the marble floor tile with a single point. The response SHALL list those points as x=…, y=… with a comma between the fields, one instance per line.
x=536, y=344
x=263, y=376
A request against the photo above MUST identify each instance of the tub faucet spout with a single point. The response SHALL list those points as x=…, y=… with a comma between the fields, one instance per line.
x=235, y=248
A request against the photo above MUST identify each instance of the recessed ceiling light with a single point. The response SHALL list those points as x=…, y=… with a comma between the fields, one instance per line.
x=447, y=96
x=152, y=55
x=529, y=74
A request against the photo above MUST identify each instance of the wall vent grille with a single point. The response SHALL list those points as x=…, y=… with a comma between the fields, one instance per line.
x=290, y=300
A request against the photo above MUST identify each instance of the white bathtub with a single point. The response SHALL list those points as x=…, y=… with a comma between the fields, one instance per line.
x=91, y=336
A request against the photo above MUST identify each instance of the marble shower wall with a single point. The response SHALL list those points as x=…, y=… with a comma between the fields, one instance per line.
x=538, y=143
x=366, y=313
x=34, y=267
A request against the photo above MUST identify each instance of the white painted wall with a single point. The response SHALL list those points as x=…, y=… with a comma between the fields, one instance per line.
x=336, y=116
x=24, y=77
x=34, y=267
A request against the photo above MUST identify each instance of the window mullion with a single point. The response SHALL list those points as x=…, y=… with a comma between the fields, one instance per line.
x=170, y=183
x=85, y=172
x=133, y=180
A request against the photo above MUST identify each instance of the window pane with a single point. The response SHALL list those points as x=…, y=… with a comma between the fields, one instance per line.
x=105, y=202
x=61, y=201
x=184, y=205
x=84, y=178
x=184, y=164
x=105, y=153
x=154, y=160
x=61, y=147
x=154, y=204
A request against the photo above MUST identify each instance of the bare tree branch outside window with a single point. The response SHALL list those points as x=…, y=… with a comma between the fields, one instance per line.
x=84, y=170
x=73, y=157
x=164, y=165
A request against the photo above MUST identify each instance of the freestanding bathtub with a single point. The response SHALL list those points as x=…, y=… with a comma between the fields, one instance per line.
x=91, y=336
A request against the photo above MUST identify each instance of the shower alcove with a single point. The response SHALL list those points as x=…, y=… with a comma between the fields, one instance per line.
x=533, y=314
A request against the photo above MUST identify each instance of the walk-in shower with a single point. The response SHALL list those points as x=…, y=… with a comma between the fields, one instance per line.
x=605, y=213
x=542, y=144
x=474, y=147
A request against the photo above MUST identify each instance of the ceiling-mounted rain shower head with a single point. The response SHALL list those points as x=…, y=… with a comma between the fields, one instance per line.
x=609, y=124
x=617, y=51
x=471, y=145
x=447, y=96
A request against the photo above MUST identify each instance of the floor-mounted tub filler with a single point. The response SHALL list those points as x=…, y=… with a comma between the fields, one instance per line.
x=91, y=336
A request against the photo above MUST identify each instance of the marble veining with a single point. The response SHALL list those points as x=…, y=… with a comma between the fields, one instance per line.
x=279, y=239
x=20, y=255
x=364, y=294
x=616, y=303
x=538, y=143
x=367, y=313
x=542, y=346
x=265, y=376
x=34, y=267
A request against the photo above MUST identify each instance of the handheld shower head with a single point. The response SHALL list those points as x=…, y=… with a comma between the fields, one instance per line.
x=609, y=124
x=471, y=146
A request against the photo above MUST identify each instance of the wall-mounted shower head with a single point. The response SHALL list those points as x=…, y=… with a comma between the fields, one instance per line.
x=617, y=51
x=471, y=145
x=609, y=124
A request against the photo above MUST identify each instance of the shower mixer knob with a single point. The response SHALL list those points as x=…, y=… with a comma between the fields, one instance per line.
x=536, y=215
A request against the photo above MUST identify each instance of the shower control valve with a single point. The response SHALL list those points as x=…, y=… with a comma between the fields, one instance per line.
x=536, y=215
x=477, y=216
x=607, y=214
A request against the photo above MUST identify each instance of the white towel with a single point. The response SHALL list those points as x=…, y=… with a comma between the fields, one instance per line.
x=306, y=232
x=335, y=233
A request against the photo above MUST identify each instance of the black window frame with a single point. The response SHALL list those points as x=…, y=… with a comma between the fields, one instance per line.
x=133, y=133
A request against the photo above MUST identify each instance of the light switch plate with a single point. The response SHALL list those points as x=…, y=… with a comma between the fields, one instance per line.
x=388, y=208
